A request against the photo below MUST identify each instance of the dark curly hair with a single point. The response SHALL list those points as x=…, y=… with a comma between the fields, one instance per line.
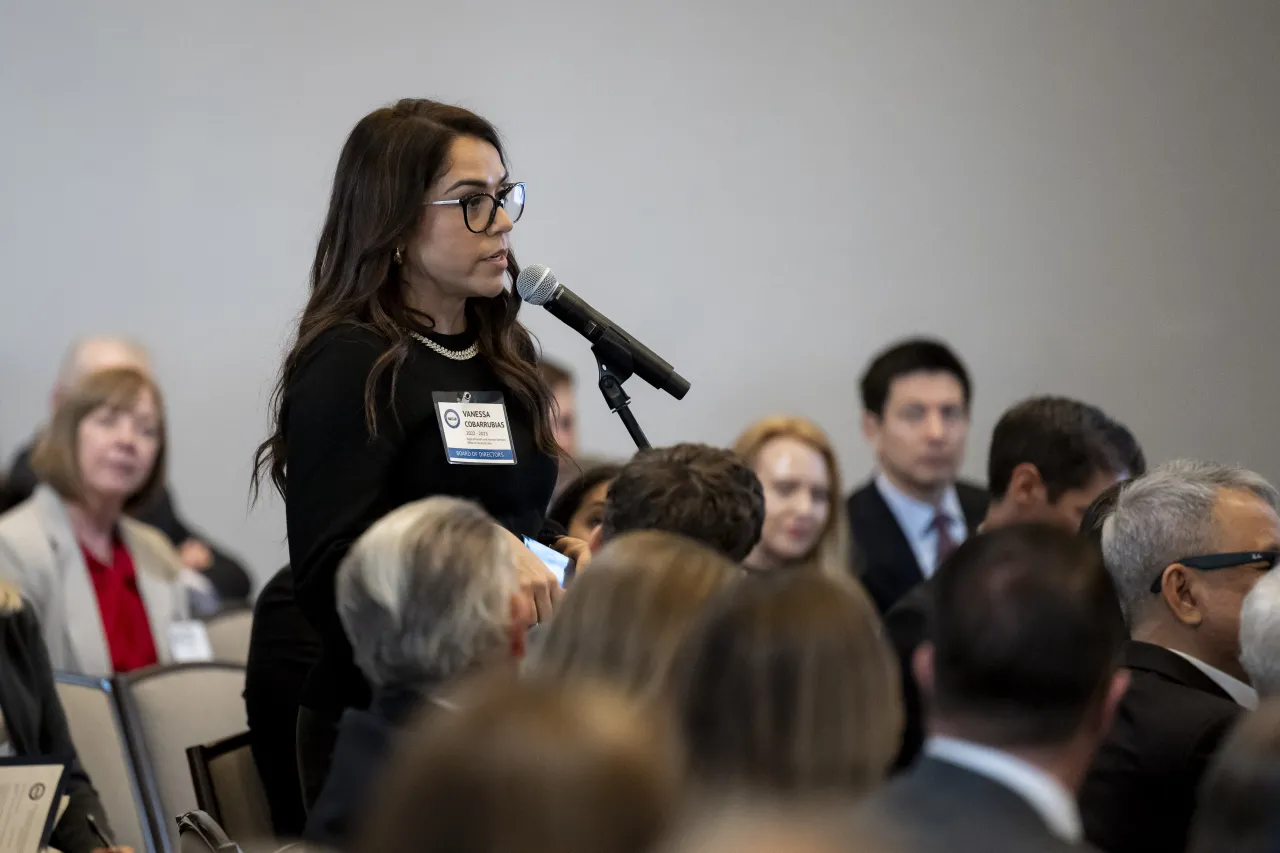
x=705, y=493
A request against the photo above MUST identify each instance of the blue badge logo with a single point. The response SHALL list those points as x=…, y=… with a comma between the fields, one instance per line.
x=451, y=419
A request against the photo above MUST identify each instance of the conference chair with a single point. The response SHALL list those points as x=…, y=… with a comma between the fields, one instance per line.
x=229, y=635
x=167, y=709
x=93, y=715
x=229, y=789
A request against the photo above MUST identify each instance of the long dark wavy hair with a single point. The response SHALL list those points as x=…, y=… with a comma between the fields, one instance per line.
x=391, y=158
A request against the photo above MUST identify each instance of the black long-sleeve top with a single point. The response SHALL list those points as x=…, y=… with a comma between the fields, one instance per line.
x=340, y=480
x=37, y=725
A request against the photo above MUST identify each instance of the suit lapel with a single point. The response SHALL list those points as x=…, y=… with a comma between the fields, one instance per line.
x=82, y=620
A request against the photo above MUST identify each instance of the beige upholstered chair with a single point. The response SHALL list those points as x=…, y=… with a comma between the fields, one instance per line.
x=229, y=789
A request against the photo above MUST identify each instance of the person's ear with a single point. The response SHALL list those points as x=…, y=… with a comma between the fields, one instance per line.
x=1179, y=590
x=517, y=628
x=922, y=667
x=871, y=425
x=596, y=540
x=1027, y=488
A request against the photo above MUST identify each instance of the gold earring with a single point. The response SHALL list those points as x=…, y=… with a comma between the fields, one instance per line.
x=399, y=256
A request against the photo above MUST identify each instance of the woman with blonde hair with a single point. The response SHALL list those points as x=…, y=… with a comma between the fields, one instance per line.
x=623, y=619
x=107, y=589
x=804, y=524
x=787, y=687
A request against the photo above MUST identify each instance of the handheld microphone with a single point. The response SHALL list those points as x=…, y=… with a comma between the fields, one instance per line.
x=537, y=285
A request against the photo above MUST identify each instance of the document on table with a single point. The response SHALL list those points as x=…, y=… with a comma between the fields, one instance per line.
x=30, y=802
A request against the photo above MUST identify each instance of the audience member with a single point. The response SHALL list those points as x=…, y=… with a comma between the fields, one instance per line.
x=767, y=826
x=787, y=687
x=1022, y=676
x=429, y=594
x=283, y=647
x=1049, y=458
x=1260, y=636
x=803, y=523
x=1240, y=800
x=622, y=621
x=224, y=573
x=564, y=417
x=1099, y=511
x=915, y=400
x=35, y=726
x=702, y=492
x=1128, y=449
x=1185, y=544
x=531, y=768
x=579, y=507
x=105, y=588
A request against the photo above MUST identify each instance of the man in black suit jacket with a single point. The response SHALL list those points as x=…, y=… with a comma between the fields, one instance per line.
x=1022, y=674
x=1185, y=544
x=1050, y=458
x=915, y=399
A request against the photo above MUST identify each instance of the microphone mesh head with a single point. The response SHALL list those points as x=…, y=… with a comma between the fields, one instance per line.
x=536, y=284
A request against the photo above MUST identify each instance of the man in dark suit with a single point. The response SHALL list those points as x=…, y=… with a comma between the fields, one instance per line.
x=1050, y=458
x=1185, y=544
x=915, y=400
x=1022, y=676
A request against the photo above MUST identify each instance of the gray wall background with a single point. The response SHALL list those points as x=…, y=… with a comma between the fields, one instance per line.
x=1084, y=197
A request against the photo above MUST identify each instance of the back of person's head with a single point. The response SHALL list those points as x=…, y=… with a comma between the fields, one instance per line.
x=1239, y=802
x=916, y=355
x=1171, y=514
x=1049, y=458
x=767, y=825
x=797, y=467
x=1099, y=511
x=533, y=767
x=1025, y=641
x=705, y=493
x=90, y=355
x=1127, y=449
x=428, y=593
x=1260, y=636
x=788, y=687
x=78, y=453
x=625, y=615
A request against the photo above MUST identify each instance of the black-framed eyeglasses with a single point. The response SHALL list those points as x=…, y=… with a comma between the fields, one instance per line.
x=1213, y=562
x=480, y=209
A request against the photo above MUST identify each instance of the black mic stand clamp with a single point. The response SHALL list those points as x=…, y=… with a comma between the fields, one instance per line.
x=613, y=358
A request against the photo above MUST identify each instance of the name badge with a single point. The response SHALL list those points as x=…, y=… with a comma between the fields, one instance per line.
x=474, y=427
x=189, y=642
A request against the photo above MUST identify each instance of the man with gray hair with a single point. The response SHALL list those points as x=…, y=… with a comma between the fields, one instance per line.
x=429, y=594
x=1260, y=636
x=1185, y=544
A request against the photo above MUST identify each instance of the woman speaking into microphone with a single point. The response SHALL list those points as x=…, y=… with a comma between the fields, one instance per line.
x=410, y=375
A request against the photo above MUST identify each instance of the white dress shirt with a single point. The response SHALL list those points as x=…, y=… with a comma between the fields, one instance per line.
x=1242, y=694
x=915, y=518
x=1046, y=795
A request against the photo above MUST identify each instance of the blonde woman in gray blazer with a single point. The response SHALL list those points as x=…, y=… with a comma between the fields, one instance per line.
x=102, y=454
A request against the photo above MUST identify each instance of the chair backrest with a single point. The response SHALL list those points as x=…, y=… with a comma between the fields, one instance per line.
x=93, y=715
x=200, y=833
x=229, y=635
x=169, y=708
x=229, y=789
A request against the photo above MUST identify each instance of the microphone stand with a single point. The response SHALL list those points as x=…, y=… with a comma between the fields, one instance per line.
x=613, y=358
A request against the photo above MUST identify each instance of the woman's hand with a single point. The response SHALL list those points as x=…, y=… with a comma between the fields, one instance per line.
x=574, y=549
x=537, y=583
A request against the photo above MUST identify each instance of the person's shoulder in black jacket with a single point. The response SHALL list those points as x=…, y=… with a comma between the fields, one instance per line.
x=36, y=723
